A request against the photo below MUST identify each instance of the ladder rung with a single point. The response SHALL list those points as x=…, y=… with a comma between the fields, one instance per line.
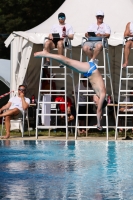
x=126, y=90
x=86, y=90
x=126, y=94
x=53, y=102
x=90, y=126
x=51, y=127
x=62, y=74
x=124, y=102
x=56, y=67
x=89, y=115
x=94, y=127
x=126, y=115
x=127, y=127
x=128, y=110
x=92, y=94
x=126, y=78
x=86, y=102
x=100, y=67
x=52, y=114
x=52, y=78
x=52, y=91
x=89, y=94
x=129, y=67
x=51, y=94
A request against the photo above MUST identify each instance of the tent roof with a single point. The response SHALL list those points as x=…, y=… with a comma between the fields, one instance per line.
x=81, y=13
x=5, y=71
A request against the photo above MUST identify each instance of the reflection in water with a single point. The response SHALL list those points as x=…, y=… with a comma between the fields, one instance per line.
x=6, y=143
x=63, y=170
x=111, y=158
x=110, y=175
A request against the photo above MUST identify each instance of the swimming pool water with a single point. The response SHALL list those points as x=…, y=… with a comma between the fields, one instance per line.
x=54, y=170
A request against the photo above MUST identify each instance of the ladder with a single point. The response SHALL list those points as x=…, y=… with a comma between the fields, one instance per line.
x=125, y=80
x=62, y=78
x=88, y=92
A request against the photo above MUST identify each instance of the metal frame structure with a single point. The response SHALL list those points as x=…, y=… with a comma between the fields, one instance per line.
x=126, y=91
x=106, y=62
x=67, y=47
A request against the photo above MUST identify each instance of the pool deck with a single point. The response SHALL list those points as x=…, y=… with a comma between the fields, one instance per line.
x=64, y=138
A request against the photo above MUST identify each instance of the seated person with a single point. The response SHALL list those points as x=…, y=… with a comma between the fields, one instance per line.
x=64, y=30
x=15, y=107
x=61, y=108
x=123, y=108
x=101, y=30
x=129, y=43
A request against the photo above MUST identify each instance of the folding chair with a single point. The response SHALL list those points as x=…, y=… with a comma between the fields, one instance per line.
x=20, y=122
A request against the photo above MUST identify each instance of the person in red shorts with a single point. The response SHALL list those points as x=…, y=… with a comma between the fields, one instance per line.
x=61, y=107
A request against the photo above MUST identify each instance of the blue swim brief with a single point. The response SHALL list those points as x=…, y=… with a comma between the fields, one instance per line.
x=91, y=70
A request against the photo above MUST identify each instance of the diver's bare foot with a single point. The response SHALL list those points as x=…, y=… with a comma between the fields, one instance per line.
x=41, y=54
x=125, y=64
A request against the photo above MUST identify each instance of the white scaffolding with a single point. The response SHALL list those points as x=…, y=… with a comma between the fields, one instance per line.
x=51, y=92
x=125, y=78
x=106, y=63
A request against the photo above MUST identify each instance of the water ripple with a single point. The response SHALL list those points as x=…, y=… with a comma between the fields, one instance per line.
x=66, y=170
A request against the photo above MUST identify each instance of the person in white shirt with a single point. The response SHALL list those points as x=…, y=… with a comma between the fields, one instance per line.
x=64, y=30
x=101, y=30
x=129, y=42
x=15, y=107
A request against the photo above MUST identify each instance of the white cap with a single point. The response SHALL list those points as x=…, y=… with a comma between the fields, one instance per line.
x=99, y=12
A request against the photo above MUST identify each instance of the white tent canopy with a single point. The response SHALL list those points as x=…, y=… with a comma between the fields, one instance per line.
x=79, y=13
x=5, y=71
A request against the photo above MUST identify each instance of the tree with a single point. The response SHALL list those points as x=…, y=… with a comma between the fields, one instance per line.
x=22, y=15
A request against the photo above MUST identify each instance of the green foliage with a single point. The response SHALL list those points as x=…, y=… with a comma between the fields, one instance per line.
x=22, y=15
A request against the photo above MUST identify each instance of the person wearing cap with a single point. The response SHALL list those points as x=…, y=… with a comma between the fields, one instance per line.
x=129, y=42
x=64, y=30
x=89, y=70
x=101, y=30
